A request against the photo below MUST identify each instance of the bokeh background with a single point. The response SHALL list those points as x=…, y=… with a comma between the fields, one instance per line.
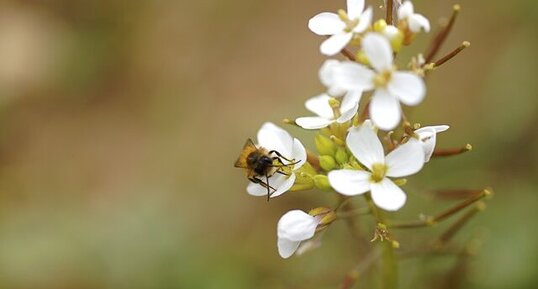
x=120, y=122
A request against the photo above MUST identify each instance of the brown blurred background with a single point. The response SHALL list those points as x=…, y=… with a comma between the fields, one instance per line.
x=120, y=122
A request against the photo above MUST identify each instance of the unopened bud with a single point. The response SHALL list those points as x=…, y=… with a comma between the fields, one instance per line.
x=325, y=215
x=400, y=182
x=380, y=25
x=327, y=163
x=362, y=58
x=341, y=156
x=322, y=182
x=325, y=145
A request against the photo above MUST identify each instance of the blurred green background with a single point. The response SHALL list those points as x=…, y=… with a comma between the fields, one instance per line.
x=120, y=122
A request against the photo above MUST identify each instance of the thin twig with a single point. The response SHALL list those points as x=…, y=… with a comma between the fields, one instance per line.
x=451, y=55
x=430, y=221
x=442, y=35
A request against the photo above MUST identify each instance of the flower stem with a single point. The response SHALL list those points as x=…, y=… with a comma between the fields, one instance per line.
x=442, y=35
x=388, y=260
x=388, y=17
x=451, y=55
x=348, y=54
x=452, y=152
x=430, y=221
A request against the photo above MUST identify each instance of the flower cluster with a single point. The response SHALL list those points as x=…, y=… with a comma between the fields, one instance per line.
x=365, y=143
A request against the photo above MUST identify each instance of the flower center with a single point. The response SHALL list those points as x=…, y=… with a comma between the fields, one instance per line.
x=350, y=23
x=378, y=172
x=383, y=78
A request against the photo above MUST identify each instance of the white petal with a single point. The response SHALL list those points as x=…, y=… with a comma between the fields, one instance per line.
x=286, y=247
x=298, y=153
x=364, y=21
x=385, y=110
x=417, y=22
x=390, y=31
x=428, y=135
x=349, y=182
x=437, y=128
x=335, y=43
x=313, y=122
x=378, y=51
x=326, y=24
x=273, y=137
x=405, y=10
x=354, y=8
x=388, y=196
x=354, y=76
x=409, y=87
x=279, y=182
x=296, y=225
x=348, y=114
x=365, y=145
x=326, y=72
x=350, y=100
x=320, y=106
x=406, y=159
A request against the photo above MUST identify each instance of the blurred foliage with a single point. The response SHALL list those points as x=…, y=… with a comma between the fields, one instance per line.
x=120, y=122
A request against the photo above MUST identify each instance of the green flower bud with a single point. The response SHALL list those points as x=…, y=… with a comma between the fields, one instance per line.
x=322, y=182
x=341, y=156
x=325, y=145
x=326, y=216
x=327, y=163
x=380, y=25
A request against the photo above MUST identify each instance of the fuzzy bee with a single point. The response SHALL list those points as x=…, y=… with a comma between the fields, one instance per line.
x=260, y=164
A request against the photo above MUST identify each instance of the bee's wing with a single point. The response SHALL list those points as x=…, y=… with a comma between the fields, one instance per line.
x=247, y=149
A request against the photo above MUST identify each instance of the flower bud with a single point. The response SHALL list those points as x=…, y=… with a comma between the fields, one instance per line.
x=322, y=182
x=380, y=25
x=327, y=163
x=325, y=145
x=341, y=156
x=325, y=216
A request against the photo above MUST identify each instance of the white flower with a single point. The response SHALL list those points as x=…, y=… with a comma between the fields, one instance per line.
x=405, y=160
x=320, y=106
x=427, y=136
x=414, y=20
x=272, y=137
x=294, y=227
x=390, y=86
x=341, y=27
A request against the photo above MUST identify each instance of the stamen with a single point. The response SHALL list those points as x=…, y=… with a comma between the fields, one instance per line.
x=442, y=35
x=337, y=140
x=378, y=172
x=335, y=105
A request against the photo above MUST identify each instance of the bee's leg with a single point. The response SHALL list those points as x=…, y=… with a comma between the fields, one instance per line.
x=264, y=184
x=280, y=156
x=268, y=190
x=282, y=163
x=283, y=173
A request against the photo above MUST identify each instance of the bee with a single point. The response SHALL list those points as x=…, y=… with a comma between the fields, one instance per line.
x=261, y=163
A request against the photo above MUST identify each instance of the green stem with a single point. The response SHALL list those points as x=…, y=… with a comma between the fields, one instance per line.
x=388, y=261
